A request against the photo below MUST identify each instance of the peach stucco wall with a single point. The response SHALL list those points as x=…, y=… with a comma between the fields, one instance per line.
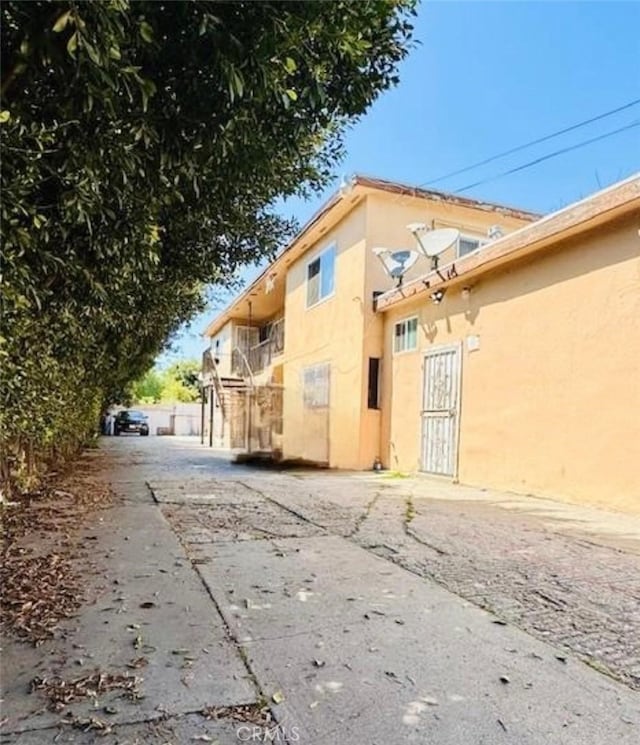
x=344, y=331
x=551, y=398
x=387, y=220
x=331, y=331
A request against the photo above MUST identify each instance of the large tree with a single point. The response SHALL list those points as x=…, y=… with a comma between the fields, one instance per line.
x=144, y=145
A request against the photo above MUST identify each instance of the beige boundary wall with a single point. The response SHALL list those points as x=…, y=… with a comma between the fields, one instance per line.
x=185, y=418
x=550, y=398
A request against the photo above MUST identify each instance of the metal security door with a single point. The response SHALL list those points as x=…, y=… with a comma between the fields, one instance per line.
x=441, y=411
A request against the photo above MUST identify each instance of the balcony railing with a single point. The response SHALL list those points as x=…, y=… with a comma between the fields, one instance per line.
x=277, y=337
x=259, y=357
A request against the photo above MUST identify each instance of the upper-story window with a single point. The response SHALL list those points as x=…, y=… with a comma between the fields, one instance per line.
x=468, y=243
x=405, y=335
x=321, y=276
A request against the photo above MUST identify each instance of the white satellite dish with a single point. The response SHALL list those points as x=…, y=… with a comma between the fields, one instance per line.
x=435, y=242
x=396, y=263
x=270, y=283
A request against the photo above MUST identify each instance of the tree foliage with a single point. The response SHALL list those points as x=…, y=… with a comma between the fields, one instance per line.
x=177, y=383
x=147, y=389
x=144, y=145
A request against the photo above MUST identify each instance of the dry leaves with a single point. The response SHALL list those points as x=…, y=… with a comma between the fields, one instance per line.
x=40, y=539
x=88, y=725
x=258, y=714
x=55, y=507
x=60, y=693
x=37, y=593
x=137, y=663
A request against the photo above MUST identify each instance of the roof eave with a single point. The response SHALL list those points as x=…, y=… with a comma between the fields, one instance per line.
x=418, y=192
x=227, y=315
x=604, y=206
x=360, y=185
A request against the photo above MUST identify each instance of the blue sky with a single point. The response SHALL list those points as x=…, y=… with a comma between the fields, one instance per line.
x=486, y=77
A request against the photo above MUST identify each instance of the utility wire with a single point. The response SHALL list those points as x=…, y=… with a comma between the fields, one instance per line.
x=532, y=143
x=549, y=155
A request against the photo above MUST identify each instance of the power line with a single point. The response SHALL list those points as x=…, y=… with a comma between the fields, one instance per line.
x=532, y=143
x=549, y=155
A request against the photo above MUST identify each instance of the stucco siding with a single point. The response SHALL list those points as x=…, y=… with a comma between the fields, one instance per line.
x=330, y=332
x=551, y=398
x=221, y=346
x=387, y=220
x=344, y=331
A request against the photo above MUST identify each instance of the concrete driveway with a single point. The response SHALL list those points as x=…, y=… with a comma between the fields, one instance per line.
x=360, y=608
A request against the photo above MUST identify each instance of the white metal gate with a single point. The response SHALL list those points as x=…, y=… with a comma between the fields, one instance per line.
x=441, y=411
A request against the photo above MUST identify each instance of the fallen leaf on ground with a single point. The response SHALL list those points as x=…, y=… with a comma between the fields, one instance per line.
x=86, y=725
x=39, y=591
x=60, y=692
x=137, y=663
x=257, y=714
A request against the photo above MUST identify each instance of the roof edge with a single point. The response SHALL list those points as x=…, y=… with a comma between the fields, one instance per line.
x=366, y=182
x=610, y=203
x=442, y=196
x=326, y=207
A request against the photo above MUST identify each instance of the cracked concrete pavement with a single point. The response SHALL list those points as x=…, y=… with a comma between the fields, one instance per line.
x=364, y=609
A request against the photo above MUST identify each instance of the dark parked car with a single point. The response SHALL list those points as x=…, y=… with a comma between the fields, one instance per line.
x=131, y=421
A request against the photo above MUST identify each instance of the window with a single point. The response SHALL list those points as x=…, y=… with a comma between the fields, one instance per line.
x=373, y=395
x=467, y=244
x=405, y=335
x=320, y=276
x=315, y=387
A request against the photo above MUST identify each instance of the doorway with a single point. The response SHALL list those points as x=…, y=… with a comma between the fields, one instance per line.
x=441, y=411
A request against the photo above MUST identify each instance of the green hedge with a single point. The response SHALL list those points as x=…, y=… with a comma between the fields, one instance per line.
x=144, y=147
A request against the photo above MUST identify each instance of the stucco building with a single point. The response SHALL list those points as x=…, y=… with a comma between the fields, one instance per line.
x=515, y=364
x=305, y=336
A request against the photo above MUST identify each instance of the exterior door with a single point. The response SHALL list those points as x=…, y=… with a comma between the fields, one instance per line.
x=316, y=381
x=441, y=411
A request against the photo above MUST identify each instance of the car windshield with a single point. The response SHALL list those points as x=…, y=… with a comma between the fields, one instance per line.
x=132, y=415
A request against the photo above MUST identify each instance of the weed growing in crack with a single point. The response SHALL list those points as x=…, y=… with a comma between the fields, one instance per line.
x=410, y=511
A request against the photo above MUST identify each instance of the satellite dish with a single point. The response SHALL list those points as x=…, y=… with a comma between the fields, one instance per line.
x=270, y=283
x=346, y=185
x=435, y=242
x=396, y=263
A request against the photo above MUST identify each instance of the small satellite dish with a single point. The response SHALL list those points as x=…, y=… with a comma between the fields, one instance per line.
x=346, y=185
x=396, y=263
x=435, y=242
x=270, y=283
x=495, y=232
